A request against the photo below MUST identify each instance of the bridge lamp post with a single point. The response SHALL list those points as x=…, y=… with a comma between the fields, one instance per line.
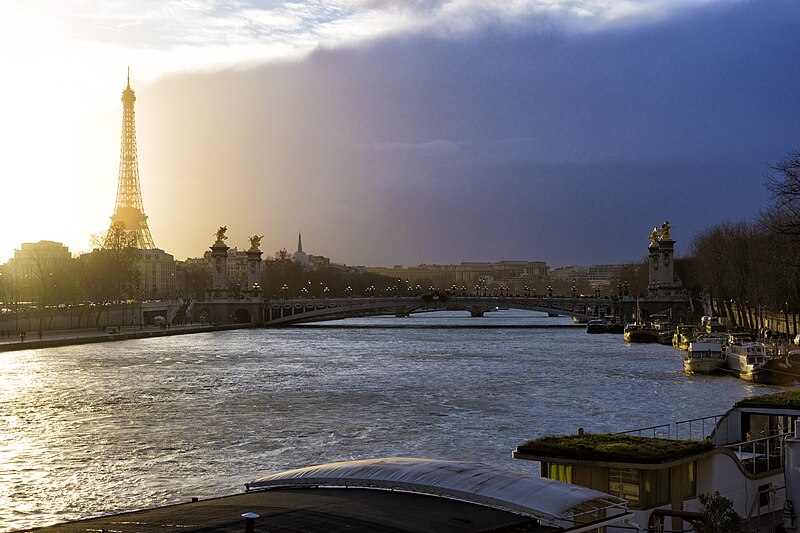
x=549, y=291
x=574, y=287
x=477, y=290
x=284, y=290
x=325, y=291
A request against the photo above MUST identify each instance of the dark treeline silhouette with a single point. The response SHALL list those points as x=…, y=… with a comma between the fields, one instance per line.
x=748, y=269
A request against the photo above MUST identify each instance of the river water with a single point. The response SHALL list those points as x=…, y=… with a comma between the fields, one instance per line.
x=101, y=428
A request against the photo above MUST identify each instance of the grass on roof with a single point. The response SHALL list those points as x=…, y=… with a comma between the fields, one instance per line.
x=788, y=398
x=619, y=448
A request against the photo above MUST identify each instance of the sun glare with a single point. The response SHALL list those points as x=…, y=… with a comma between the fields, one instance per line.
x=49, y=188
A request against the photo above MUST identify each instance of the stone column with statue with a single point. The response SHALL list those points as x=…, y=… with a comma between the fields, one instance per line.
x=661, y=260
x=219, y=265
x=254, y=266
x=653, y=263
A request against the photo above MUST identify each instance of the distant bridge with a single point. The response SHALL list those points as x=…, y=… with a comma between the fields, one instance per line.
x=282, y=312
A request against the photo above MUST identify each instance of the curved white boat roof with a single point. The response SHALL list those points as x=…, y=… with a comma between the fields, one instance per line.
x=509, y=490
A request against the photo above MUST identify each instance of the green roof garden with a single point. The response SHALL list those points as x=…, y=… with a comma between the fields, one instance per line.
x=789, y=399
x=615, y=448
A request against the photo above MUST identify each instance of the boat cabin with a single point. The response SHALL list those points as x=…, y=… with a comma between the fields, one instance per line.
x=742, y=458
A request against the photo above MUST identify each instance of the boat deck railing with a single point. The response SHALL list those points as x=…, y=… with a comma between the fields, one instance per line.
x=691, y=429
x=761, y=455
x=697, y=428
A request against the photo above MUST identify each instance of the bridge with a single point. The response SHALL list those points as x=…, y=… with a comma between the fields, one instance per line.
x=282, y=312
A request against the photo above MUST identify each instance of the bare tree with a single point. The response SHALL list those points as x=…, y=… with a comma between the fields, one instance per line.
x=784, y=185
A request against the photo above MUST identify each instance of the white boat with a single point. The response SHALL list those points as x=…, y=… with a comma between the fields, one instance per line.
x=750, y=361
x=704, y=358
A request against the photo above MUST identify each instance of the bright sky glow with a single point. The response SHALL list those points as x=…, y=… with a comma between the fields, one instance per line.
x=64, y=69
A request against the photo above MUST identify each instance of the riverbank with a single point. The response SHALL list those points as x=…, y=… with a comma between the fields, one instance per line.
x=435, y=326
x=71, y=337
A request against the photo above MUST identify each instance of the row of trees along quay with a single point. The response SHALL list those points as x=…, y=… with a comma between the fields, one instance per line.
x=749, y=270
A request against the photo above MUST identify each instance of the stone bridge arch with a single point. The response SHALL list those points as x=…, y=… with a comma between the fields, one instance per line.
x=285, y=312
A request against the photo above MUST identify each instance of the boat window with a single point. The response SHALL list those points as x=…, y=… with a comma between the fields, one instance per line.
x=560, y=472
x=655, y=488
x=751, y=360
x=624, y=482
x=689, y=480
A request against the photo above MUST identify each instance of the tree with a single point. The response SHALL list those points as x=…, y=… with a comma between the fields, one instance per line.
x=110, y=271
x=720, y=510
x=198, y=279
x=51, y=279
x=784, y=185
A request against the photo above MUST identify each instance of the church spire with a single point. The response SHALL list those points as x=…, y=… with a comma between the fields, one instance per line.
x=300, y=243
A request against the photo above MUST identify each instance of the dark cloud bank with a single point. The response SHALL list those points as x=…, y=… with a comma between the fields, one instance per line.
x=502, y=145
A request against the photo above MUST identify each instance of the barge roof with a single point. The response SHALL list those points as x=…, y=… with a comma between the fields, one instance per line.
x=509, y=490
x=413, y=495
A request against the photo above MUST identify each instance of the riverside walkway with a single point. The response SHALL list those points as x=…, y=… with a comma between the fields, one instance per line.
x=69, y=337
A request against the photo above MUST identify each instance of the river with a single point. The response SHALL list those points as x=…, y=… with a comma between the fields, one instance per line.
x=100, y=428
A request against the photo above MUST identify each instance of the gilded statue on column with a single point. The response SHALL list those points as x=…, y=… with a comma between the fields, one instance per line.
x=220, y=234
x=255, y=241
x=665, y=236
x=654, y=237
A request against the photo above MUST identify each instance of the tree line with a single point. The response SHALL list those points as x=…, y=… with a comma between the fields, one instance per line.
x=747, y=269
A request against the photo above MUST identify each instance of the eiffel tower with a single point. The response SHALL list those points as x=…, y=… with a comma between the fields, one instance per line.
x=128, y=209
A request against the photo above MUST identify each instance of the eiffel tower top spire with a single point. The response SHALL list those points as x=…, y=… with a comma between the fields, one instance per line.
x=128, y=209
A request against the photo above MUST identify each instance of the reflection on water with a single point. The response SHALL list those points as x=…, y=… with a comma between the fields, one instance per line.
x=99, y=428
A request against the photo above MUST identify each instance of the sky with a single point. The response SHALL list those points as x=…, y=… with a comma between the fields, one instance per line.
x=398, y=132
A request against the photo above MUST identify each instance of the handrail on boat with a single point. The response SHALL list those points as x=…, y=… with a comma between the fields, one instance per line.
x=691, y=424
x=760, y=455
x=654, y=429
x=686, y=429
x=772, y=491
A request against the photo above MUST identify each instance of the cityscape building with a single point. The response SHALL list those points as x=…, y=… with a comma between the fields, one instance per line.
x=594, y=275
x=514, y=274
x=300, y=256
x=31, y=262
